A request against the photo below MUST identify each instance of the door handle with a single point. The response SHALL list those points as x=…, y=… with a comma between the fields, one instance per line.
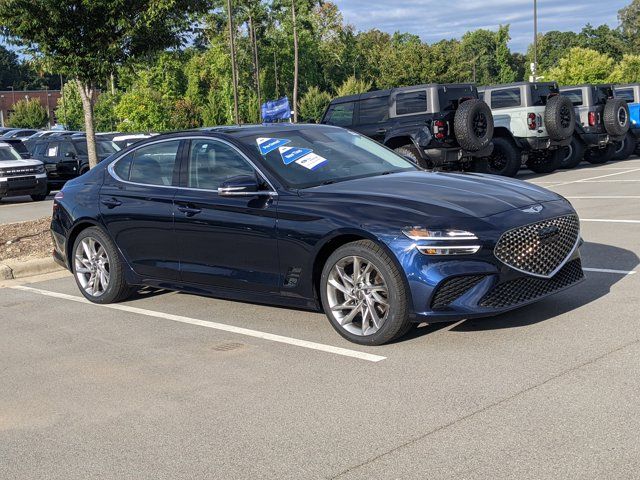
x=111, y=202
x=381, y=131
x=189, y=211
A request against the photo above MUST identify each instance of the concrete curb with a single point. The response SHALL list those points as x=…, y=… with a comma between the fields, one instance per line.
x=16, y=269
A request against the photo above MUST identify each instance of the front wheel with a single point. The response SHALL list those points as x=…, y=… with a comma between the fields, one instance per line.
x=97, y=268
x=363, y=294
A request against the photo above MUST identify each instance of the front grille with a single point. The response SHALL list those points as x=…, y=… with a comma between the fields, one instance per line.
x=453, y=288
x=18, y=171
x=526, y=289
x=539, y=248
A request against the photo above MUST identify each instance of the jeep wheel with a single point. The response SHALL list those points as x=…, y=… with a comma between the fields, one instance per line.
x=625, y=148
x=39, y=197
x=573, y=154
x=409, y=152
x=616, y=117
x=559, y=117
x=598, y=156
x=473, y=125
x=547, y=161
x=505, y=160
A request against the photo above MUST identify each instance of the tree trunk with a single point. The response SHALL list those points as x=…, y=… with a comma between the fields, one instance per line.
x=88, y=96
x=295, y=61
x=256, y=62
x=234, y=71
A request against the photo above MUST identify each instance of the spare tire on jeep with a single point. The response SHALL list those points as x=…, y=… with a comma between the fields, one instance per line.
x=616, y=117
x=559, y=117
x=473, y=125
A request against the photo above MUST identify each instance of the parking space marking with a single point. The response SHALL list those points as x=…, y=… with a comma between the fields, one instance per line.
x=214, y=325
x=604, y=197
x=608, y=270
x=607, y=220
x=583, y=180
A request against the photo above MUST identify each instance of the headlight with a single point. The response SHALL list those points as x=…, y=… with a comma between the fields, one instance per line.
x=40, y=169
x=442, y=242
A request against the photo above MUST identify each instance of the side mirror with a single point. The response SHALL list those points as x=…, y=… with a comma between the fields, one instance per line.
x=240, y=185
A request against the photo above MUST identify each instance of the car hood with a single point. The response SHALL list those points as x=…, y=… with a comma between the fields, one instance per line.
x=436, y=193
x=19, y=163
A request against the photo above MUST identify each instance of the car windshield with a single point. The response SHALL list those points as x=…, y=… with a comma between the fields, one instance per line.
x=541, y=93
x=104, y=147
x=8, y=153
x=308, y=157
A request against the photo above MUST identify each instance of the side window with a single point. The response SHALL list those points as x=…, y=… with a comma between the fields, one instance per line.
x=574, y=95
x=506, y=98
x=52, y=150
x=212, y=162
x=626, y=94
x=66, y=148
x=411, y=102
x=340, y=114
x=122, y=168
x=374, y=110
x=40, y=149
x=154, y=164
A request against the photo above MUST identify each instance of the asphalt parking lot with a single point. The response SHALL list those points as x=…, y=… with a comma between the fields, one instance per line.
x=22, y=209
x=170, y=385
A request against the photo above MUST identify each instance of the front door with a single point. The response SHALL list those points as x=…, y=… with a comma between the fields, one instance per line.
x=226, y=242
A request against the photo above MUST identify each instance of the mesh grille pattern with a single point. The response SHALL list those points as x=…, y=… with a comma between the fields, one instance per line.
x=539, y=248
x=452, y=288
x=526, y=289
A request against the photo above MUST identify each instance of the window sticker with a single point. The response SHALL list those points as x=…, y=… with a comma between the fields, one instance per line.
x=311, y=161
x=291, y=154
x=267, y=145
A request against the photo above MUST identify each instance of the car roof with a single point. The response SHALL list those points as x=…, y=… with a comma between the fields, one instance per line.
x=382, y=93
x=589, y=85
x=242, y=130
x=515, y=84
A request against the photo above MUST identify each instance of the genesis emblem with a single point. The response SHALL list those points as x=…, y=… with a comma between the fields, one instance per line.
x=533, y=209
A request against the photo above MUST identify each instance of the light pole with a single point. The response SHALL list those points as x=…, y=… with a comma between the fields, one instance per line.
x=534, y=66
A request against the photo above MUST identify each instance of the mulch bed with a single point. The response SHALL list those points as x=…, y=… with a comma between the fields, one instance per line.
x=26, y=240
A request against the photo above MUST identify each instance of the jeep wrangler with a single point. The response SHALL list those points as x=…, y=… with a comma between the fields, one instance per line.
x=601, y=122
x=630, y=93
x=436, y=126
x=532, y=124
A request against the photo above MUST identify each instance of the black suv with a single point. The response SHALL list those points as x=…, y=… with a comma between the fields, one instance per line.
x=66, y=157
x=437, y=126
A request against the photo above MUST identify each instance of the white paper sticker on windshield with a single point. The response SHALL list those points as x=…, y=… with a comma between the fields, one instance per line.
x=311, y=161
x=291, y=154
x=267, y=145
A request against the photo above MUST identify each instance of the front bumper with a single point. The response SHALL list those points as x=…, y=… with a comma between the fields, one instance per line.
x=23, y=185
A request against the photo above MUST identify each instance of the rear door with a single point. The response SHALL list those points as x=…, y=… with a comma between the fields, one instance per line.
x=373, y=117
x=136, y=206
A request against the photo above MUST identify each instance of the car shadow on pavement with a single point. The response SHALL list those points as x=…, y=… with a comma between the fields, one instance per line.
x=596, y=286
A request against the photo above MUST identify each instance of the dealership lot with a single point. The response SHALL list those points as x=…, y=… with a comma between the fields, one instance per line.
x=171, y=385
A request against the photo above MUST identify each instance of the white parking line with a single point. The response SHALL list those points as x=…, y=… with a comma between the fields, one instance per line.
x=595, y=178
x=595, y=197
x=608, y=270
x=606, y=220
x=214, y=325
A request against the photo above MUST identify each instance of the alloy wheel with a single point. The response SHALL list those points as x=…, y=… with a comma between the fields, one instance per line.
x=91, y=263
x=480, y=125
x=358, y=296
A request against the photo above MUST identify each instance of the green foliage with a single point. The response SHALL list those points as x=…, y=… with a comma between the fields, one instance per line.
x=28, y=113
x=353, y=86
x=506, y=72
x=143, y=110
x=627, y=71
x=185, y=115
x=69, y=110
x=105, y=112
x=581, y=65
x=629, y=18
x=313, y=104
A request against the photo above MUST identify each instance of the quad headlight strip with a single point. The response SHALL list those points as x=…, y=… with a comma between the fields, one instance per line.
x=439, y=241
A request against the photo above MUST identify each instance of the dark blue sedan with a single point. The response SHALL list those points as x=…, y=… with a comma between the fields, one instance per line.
x=313, y=217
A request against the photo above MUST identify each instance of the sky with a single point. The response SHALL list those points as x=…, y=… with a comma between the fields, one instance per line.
x=434, y=20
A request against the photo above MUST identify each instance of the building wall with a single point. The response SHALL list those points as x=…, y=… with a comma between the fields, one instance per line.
x=48, y=99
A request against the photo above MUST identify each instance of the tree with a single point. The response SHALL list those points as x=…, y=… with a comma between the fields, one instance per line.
x=629, y=18
x=582, y=65
x=295, y=60
x=69, y=110
x=352, y=86
x=506, y=73
x=88, y=40
x=143, y=110
x=28, y=113
x=627, y=71
x=313, y=104
x=552, y=46
x=234, y=66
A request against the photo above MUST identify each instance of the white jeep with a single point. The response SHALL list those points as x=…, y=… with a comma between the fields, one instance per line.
x=532, y=124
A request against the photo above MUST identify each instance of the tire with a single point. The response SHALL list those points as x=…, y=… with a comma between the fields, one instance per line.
x=598, y=156
x=410, y=152
x=546, y=162
x=117, y=288
x=505, y=160
x=573, y=154
x=616, y=117
x=39, y=198
x=473, y=125
x=83, y=171
x=559, y=117
x=382, y=272
x=625, y=148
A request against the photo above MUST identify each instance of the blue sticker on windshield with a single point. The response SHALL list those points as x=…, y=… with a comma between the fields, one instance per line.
x=267, y=145
x=291, y=154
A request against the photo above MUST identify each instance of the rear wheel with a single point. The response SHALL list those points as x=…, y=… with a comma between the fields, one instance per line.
x=573, y=154
x=410, y=152
x=505, y=159
x=39, y=197
x=97, y=268
x=363, y=294
x=546, y=161
x=598, y=156
x=625, y=148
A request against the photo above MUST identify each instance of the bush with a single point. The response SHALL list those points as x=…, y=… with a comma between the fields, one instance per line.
x=28, y=114
x=69, y=110
x=582, y=65
x=353, y=86
x=143, y=110
x=185, y=115
x=627, y=71
x=313, y=104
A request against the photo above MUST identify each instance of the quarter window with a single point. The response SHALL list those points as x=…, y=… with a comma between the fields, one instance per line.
x=626, y=94
x=40, y=149
x=374, y=110
x=340, y=114
x=52, y=150
x=212, y=162
x=67, y=148
x=153, y=164
x=411, y=102
x=574, y=95
x=506, y=98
